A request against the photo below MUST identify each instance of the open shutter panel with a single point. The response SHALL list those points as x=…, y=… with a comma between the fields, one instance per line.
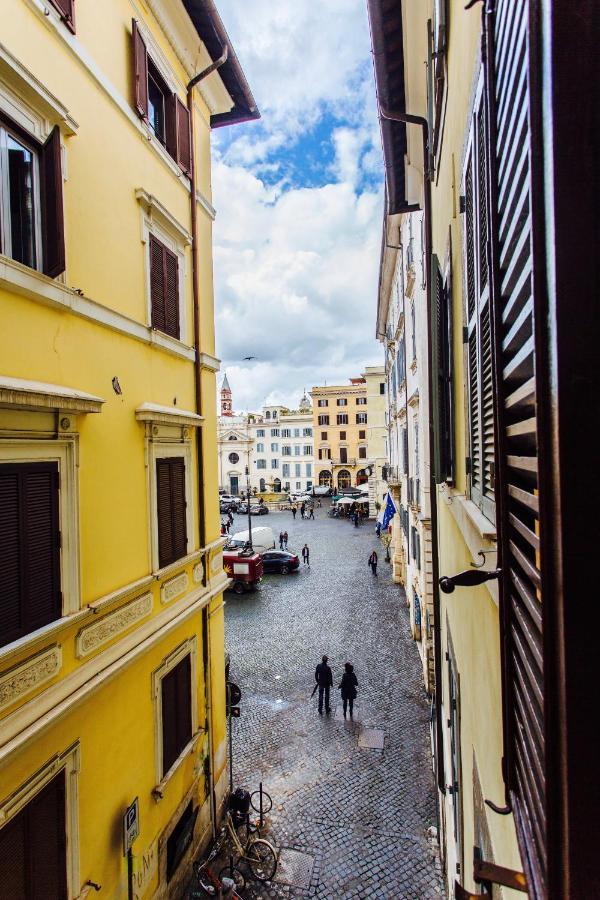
x=13, y=856
x=53, y=224
x=66, y=9
x=171, y=293
x=10, y=556
x=157, y=284
x=140, y=72
x=164, y=515
x=168, y=688
x=47, y=841
x=40, y=540
x=184, y=702
x=521, y=541
x=178, y=506
x=405, y=450
x=184, y=137
x=437, y=373
x=472, y=383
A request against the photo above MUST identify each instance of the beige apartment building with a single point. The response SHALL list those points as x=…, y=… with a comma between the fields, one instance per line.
x=340, y=426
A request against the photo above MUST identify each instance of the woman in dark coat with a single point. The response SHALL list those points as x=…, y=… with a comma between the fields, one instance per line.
x=348, y=687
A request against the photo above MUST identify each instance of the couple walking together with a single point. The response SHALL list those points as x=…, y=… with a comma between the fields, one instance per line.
x=324, y=681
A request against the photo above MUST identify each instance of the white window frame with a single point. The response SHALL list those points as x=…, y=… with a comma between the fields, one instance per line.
x=65, y=452
x=157, y=221
x=161, y=447
x=69, y=761
x=187, y=648
x=5, y=216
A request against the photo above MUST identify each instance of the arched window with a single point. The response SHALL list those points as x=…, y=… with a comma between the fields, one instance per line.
x=361, y=477
x=344, y=479
x=325, y=478
x=277, y=485
x=233, y=458
x=267, y=414
x=262, y=485
x=232, y=437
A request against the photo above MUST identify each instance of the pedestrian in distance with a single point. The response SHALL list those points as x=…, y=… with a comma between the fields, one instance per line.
x=302, y=510
x=373, y=562
x=294, y=511
x=281, y=540
x=311, y=513
x=348, y=686
x=324, y=680
x=306, y=555
x=356, y=519
x=285, y=540
x=378, y=529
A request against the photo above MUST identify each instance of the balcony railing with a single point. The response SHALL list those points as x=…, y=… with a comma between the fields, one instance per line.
x=392, y=475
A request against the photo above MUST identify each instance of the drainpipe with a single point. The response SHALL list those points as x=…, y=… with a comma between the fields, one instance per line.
x=407, y=118
x=198, y=391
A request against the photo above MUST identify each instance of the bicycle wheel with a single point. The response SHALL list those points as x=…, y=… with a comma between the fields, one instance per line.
x=266, y=800
x=261, y=859
x=236, y=876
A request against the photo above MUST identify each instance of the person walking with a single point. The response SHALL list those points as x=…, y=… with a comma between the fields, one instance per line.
x=306, y=555
x=356, y=519
x=302, y=510
x=378, y=529
x=281, y=540
x=373, y=562
x=319, y=503
x=285, y=540
x=324, y=680
x=348, y=686
x=311, y=513
x=294, y=511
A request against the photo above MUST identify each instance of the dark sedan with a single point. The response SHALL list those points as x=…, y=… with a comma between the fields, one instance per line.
x=280, y=561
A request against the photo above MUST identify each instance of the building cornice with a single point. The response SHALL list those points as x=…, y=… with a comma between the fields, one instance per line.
x=23, y=394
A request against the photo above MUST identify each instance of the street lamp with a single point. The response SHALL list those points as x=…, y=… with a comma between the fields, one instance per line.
x=248, y=501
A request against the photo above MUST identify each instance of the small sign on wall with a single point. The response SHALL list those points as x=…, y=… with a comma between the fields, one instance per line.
x=131, y=826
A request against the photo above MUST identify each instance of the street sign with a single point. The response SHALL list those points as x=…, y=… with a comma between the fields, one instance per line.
x=131, y=826
x=234, y=694
x=234, y=712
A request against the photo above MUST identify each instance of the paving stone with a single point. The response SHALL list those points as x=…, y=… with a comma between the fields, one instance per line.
x=372, y=738
x=363, y=817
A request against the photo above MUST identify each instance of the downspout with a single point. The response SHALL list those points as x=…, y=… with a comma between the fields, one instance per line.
x=409, y=119
x=199, y=454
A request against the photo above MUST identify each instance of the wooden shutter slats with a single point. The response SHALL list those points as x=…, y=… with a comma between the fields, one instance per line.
x=524, y=428
x=522, y=399
x=53, y=225
x=13, y=864
x=520, y=291
x=470, y=255
x=140, y=71
x=521, y=324
x=521, y=365
x=164, y=288
x=171, y=293
x=10, y=557
x=532, y=752
x=527, y=499
x=171, y=509
x=176, y=698
x=184, y=137
x=179, y=525
x=531, y=602
x=46, y=827
x=528, y=568
x=506, y=75
x=530, y=789
x=514, y=162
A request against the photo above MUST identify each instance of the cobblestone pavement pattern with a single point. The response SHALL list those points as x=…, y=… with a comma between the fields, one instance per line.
x=362, y=814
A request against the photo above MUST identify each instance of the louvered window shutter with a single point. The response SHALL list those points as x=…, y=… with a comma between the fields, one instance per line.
x=176, y=700
x=521, y=538
x=53, y=223
x=13, y=857
x=66, y=9
x=480, y=388
x=184, y=137
x=164, y=288
x=441, y=320
x=140, y=71
x=171, y=293
x=47, y=837
x=171, y=509
x=30, y=542
x=405, y=450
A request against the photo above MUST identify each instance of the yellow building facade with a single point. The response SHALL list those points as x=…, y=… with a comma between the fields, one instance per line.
x=340, y=434
x=112, y=684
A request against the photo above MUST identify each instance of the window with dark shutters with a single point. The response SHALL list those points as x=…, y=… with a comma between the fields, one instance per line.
x=176, y=704
x=405, y=451
x=66, y=9
x=53, y=223
x=441, y=321
x=33, y=847
x=177, y=122
x=516, y=303
x=164, y=288
x=30, y=548
x=479, y=355
x=171, y=509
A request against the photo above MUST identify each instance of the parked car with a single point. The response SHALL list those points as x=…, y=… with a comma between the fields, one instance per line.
x=244, y=567
x=226, y=505
x=259, y=510
x=280, y=561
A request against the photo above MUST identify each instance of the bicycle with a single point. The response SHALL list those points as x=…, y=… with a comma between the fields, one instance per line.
x=211, y=883
x=256, y=851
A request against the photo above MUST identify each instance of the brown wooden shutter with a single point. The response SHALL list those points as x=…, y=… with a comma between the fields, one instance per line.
x=53, y=223
x=171, y=509
x=164, y=288
x=184, y=137
x=33, y=848
x=176, y=696
x=30, y=542
x=515, y=304
x=66, y=9
x=480, y=388
x=140, y=72
x=441, y=320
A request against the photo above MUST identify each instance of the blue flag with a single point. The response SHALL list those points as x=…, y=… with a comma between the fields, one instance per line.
x=389, y=511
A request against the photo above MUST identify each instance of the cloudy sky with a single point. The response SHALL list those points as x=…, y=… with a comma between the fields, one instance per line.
x=299, y=202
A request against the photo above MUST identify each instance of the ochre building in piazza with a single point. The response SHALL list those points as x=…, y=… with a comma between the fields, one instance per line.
x=112, y=690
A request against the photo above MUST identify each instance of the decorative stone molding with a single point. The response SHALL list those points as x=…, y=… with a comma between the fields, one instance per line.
x=99, y=633
x=212, y=363
x=172, y=588
x=198, y=572
x=216, y=563
x=18, y=392
x=29, y=675
x=155, y=209
x=167, y=415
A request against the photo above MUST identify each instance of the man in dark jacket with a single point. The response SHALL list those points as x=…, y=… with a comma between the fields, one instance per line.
x=324, y=678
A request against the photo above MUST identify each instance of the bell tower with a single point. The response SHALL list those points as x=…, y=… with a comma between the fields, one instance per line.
x=226, y=404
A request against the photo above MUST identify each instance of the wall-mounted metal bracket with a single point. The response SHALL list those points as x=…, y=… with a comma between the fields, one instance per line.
x=501, y=810
x=470, y=578
x=482, y=554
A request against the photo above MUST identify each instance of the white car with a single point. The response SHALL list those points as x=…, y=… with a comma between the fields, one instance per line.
x=300, y=498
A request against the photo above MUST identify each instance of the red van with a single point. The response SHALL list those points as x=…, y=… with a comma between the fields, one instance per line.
x=245, y=567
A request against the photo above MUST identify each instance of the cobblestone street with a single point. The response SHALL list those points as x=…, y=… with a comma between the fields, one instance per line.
x=357, y=818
